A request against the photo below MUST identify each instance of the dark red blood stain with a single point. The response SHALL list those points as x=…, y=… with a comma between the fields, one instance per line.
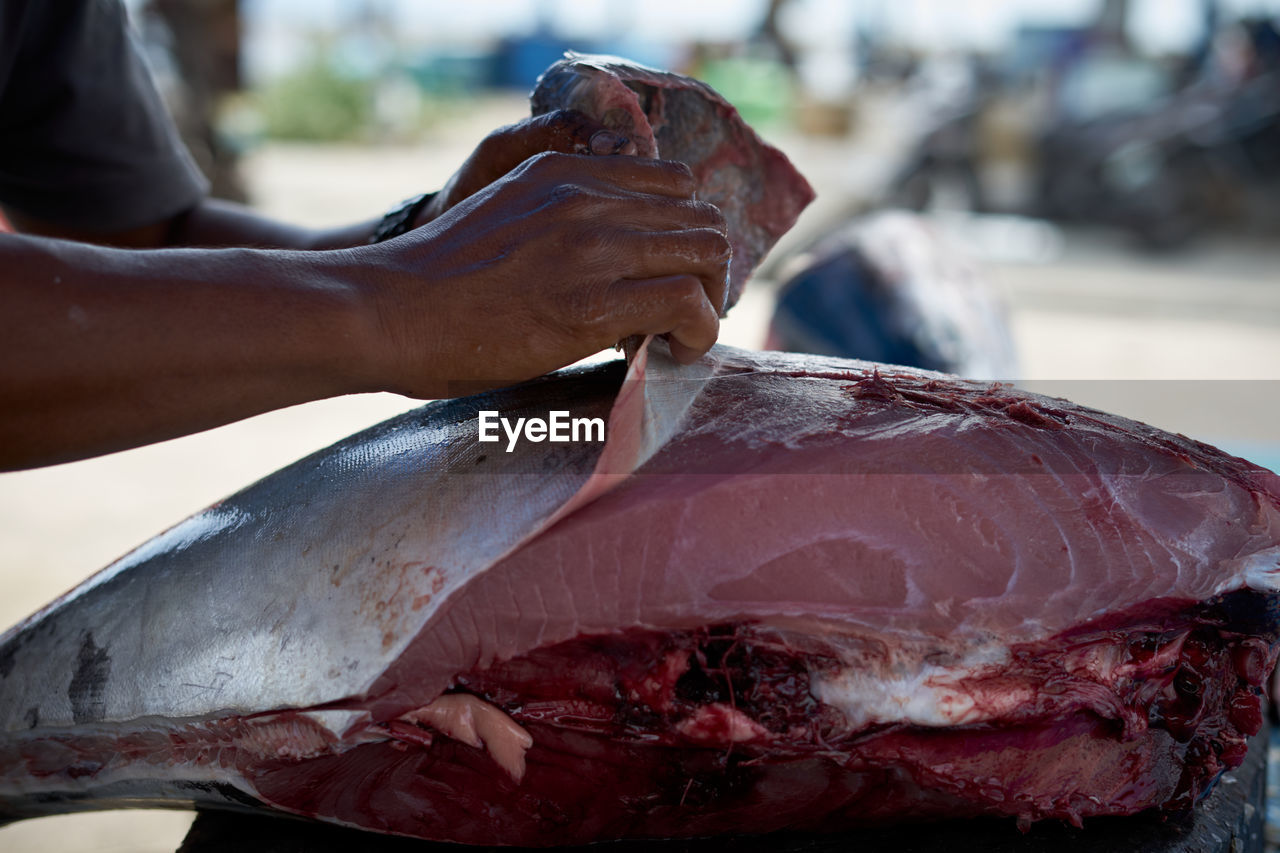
x=1246, y=712
x=624, y=746
x=874, y=387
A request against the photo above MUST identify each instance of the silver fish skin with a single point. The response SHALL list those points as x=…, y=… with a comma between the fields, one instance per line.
x=292, y=594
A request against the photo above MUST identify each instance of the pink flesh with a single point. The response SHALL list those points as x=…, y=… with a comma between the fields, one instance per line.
x=894, y=503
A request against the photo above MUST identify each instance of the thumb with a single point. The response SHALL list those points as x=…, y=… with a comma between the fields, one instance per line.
x=566, y=131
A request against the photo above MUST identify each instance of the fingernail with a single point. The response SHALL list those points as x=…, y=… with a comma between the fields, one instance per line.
x=607, y=142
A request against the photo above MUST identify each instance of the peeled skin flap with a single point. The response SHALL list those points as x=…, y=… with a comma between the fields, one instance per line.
x=649, y=410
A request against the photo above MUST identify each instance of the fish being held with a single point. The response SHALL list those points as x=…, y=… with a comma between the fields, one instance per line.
x=789, y=591
x=678, y=118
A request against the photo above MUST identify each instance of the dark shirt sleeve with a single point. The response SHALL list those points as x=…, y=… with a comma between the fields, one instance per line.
x=85, y=141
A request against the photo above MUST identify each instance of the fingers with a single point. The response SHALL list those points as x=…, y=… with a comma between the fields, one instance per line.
x=613, y=226
x=668, y=178
x=675, y=285
x=702, y=253
x=569, y=132
x=676, y=306
x=663, y=213
x=566, y=131
x=563, y=131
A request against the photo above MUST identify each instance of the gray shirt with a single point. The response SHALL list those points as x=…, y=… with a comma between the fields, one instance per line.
x=85, y=141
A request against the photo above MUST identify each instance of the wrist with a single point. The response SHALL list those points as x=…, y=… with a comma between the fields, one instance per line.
x=391, y=346
x=341, y=317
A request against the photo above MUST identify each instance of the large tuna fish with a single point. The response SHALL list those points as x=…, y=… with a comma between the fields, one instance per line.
x=788, y=592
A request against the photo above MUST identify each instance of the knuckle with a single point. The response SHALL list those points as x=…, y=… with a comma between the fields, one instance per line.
x=569, y=195
x=500, y=137
x=546, y=160
x=713, y=244
x=548, y=165
x=711, y=215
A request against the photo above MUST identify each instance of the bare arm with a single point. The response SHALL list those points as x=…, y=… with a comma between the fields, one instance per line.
x=102, y=348
x=105, y=348
x=214, y=223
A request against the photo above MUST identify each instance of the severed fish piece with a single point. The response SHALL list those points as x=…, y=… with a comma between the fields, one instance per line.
x=678, y=118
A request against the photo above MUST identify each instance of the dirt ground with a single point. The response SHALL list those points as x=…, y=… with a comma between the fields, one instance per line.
x=1189, y=342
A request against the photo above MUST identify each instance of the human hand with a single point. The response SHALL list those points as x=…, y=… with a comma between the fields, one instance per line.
x=566, y=131
x=562, y=257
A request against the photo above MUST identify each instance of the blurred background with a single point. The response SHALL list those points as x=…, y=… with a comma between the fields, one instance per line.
x=1079, y=196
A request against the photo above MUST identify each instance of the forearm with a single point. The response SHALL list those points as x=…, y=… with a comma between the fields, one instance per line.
x=212, y=223
x=215, y=223
x=103, y=349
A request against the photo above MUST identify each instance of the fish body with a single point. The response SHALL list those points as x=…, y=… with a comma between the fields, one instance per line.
x=788, y=592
